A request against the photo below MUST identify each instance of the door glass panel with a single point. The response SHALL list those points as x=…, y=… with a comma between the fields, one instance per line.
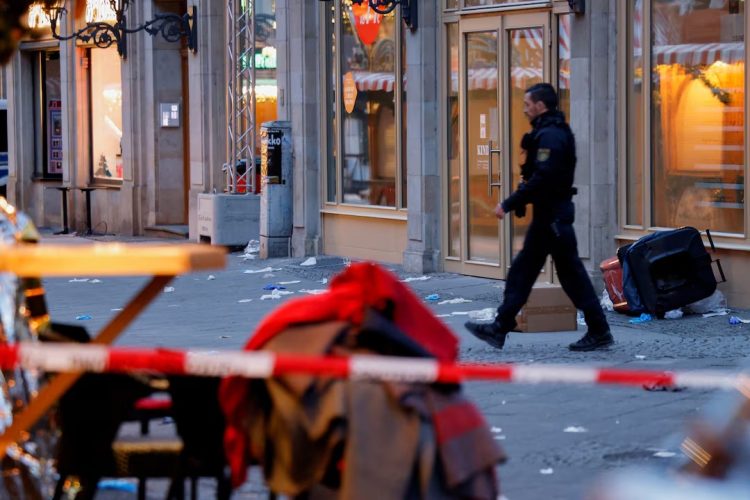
x=526, y=68
x=454, y=159
x=481, y=128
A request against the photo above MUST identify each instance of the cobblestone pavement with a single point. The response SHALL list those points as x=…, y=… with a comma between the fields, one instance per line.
x=623, y=426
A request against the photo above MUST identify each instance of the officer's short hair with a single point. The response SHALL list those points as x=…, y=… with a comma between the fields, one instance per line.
x=543, y=92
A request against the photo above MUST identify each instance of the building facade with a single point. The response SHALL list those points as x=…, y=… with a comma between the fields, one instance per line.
x=405, y=137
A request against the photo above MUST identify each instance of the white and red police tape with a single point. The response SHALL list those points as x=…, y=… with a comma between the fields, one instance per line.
x=256, y=364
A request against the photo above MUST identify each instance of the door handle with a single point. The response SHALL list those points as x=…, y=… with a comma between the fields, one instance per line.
x=491, y=184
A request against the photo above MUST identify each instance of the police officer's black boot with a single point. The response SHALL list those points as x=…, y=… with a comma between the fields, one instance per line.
x=493, y=333
x=598, y=335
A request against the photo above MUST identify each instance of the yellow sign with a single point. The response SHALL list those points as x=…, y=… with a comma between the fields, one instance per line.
x=350, y=92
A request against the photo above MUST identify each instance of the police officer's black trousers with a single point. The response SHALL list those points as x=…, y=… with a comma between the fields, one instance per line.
x=560, y=242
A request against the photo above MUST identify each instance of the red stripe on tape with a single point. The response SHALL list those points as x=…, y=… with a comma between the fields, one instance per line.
x=453, y=374
x=165, y=361
x=9, y=355
x=634, y=377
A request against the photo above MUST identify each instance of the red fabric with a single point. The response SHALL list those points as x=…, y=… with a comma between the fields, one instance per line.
x=359, y=287
x=456, y=420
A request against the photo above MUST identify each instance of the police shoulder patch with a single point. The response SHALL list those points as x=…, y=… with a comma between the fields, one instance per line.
x=542, y=154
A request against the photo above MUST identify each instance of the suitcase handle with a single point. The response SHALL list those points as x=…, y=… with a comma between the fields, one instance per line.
x=717, y=261
x=710, y=240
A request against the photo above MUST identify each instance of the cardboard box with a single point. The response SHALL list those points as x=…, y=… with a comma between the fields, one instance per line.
x=547, y=310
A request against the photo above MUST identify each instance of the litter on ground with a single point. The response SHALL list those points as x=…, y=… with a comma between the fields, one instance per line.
x=289, y=282
x=313, y=292
x=643, y=318
x=575, y=429
x=421, y=278
x=432, y=297
x=309, y=262
x=458, y=300
x=547, y=471
x=264, y=270
x=673, y=314
x=168, y=289
x=83, y=317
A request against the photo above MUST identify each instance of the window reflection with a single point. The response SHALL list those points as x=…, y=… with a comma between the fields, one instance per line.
x=106, y=114
x=698, y=117
x=526, y=69
x=368, y=58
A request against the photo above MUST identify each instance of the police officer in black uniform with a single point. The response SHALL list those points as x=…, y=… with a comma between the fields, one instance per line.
x=548, y=185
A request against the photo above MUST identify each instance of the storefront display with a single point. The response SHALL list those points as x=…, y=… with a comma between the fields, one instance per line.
x=697, y=114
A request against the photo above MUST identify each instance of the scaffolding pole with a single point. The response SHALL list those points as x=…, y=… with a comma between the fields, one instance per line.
x=240, y=96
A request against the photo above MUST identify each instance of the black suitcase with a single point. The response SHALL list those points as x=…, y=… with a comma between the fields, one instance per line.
x=672, y=269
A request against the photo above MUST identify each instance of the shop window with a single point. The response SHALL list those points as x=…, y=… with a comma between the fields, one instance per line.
x=563, y=63
x=452, y=142
x=485, y=3
x=332, y=90
x=696, y=147
x=266, y=89
x=48, y=126
x=636, y=116
x=106, y=115
x=367, y=60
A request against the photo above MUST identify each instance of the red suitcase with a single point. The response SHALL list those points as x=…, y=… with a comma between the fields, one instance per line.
x=612, y=275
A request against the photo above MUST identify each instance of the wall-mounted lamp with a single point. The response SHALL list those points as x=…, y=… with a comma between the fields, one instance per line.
x=103, y=34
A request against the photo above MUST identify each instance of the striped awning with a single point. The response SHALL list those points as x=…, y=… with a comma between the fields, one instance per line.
x=699, y=53
x=479, y=79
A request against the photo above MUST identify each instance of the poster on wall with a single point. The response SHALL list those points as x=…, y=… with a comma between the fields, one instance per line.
x=54, y=134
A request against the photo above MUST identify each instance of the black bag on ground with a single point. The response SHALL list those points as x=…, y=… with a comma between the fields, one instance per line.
x=671, y=269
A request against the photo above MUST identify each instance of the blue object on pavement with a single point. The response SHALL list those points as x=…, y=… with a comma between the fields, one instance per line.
x=117, y=485
x=643, y=318
x=734, y=320
x=432, y=297
x=274, y=287
x=83, y=317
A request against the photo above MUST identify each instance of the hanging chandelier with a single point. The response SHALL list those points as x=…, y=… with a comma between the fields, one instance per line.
x=107, y=24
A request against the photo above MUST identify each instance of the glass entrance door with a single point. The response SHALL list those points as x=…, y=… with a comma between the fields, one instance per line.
x=499, y=57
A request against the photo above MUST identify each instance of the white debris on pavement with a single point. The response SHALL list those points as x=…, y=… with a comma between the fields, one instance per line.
x=244, y=301
x=722, y=312
x=95, y=281
x=409, y=280
x=499, y=438
x=289, y=282
x=275, y=295
x=606, y=302
x=575, y=429
x=324, y=281
x=443, y=315
x=459, y=300
x=168, y=289
x=496, y=430
x=78, y=280
x=716, y=302
x=313, y=292
x=211, y=277
x=269, y=275
x=640, y=356
x=547, y=471
x=309, y=262
x=673, y=314
x=665, y=454
x=264, y=270
x=252, y=248
x=487, y=314
x=116, y=309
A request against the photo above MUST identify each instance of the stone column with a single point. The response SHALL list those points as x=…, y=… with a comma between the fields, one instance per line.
x=594, y=122
x=207, y=105
x=299, y=61
x=422, y=252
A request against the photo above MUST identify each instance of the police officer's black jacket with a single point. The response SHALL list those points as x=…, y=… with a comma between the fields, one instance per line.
x=549, y=170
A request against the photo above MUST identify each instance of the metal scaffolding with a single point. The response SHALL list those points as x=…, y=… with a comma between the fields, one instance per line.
x=240, y=166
